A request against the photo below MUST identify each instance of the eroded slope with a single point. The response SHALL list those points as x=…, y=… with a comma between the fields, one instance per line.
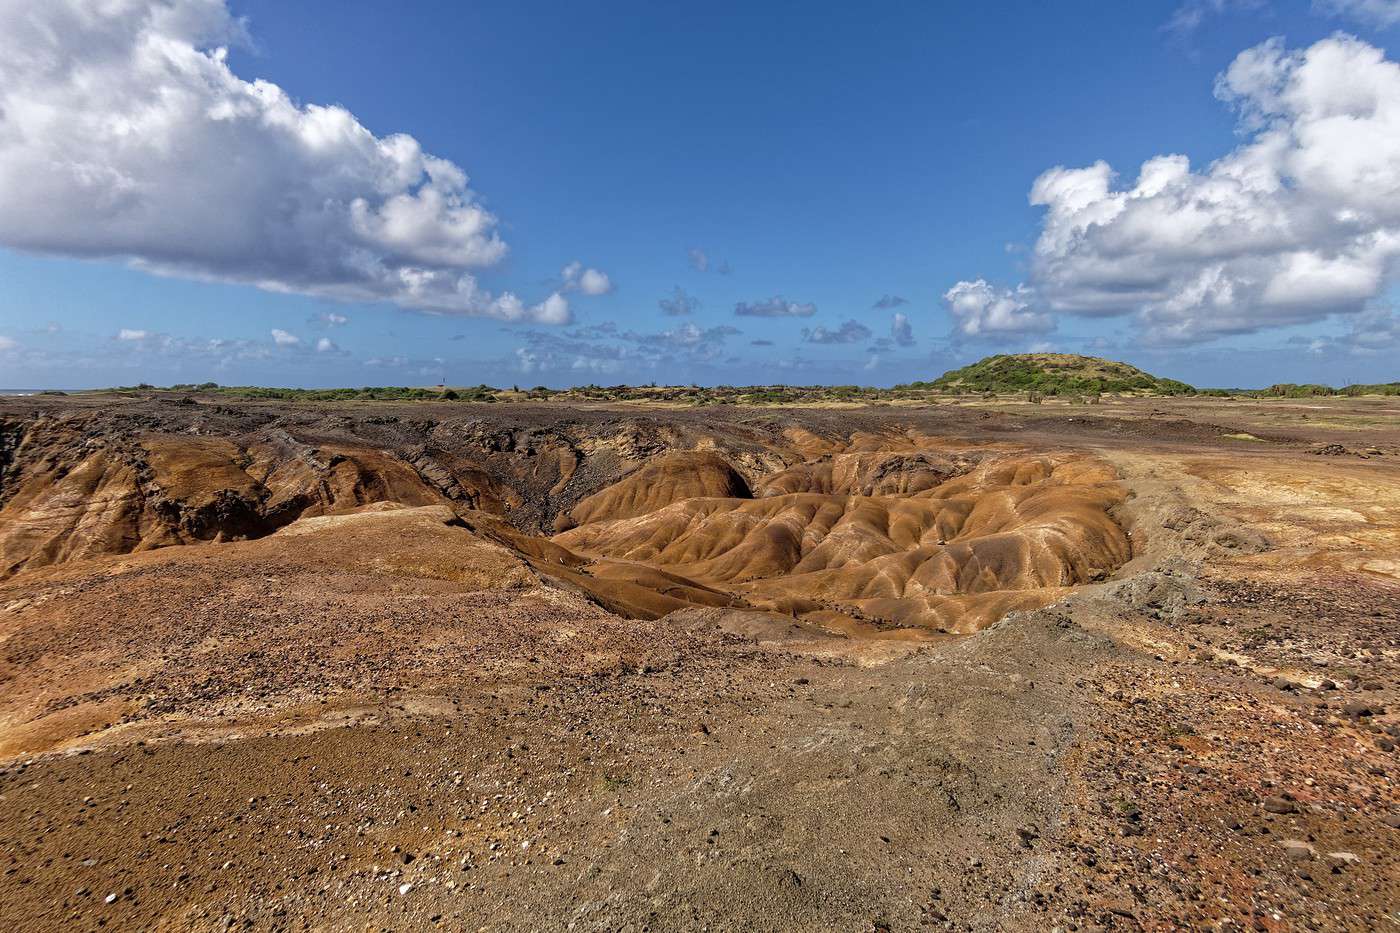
x=862, y=526
x=954, y=555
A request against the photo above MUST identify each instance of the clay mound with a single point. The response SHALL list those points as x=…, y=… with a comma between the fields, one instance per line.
x=866, y=474
x=104, y=503
x=870, y=527
x=667, y=479
x=1012, y=533
x=159, y=490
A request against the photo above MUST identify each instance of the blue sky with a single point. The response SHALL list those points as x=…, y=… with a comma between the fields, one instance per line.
x=825, y=196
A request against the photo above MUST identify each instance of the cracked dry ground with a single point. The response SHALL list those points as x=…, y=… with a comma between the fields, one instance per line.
x=467, y=667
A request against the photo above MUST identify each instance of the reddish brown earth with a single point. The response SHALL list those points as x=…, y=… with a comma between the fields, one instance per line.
x=975, y=666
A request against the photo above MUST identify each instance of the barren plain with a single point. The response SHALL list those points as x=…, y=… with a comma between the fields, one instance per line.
x=976, y=665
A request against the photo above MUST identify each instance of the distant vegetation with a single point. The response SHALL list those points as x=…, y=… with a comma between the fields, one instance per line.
x=1053, y=374
x=1032, y=376
x=1310, y=390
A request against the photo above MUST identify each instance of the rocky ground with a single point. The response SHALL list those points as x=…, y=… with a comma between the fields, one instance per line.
x=348, y=667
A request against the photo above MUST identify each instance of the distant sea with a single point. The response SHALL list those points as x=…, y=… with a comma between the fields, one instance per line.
x=21, y=391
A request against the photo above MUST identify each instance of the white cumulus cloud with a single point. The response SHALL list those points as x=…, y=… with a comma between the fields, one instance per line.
x=284, y=339
x=7, y=343
x=131, y=333
x=125, y=135
x=980, y=309
x=1299, y=222
x=589, y=281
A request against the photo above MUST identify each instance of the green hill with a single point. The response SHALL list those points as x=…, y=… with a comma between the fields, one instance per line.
x=1053, y=374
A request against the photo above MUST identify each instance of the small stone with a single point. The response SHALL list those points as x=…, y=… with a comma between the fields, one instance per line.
x=111, y=898
x=405, y=888
x=1279, y=805
x=1298, y=850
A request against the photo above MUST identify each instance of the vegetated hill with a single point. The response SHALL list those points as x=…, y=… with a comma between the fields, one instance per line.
x=1053, y=374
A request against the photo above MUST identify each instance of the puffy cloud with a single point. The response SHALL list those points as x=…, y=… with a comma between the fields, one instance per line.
x=849, y=332
x=777, y=306
x=980, y=309
x=901, y=331
x=679, y=302
x=131, y=333
x=326, y=345
x=124, y=134
x=284, y=339
x=1299, y=222
x=7, y=343
x=889, y=301
x=589, y=281
x=1381, y=14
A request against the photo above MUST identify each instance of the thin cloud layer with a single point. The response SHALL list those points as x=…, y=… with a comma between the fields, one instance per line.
x=901, y=331
x=849, y=332
x=678, y=303
x=1381, y=14
x=701, y=261
x=1300, y=222
x=606, y=349
x=125, y=135
x=777, y=306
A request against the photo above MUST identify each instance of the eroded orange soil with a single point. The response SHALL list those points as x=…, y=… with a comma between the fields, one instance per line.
x=442, y=665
